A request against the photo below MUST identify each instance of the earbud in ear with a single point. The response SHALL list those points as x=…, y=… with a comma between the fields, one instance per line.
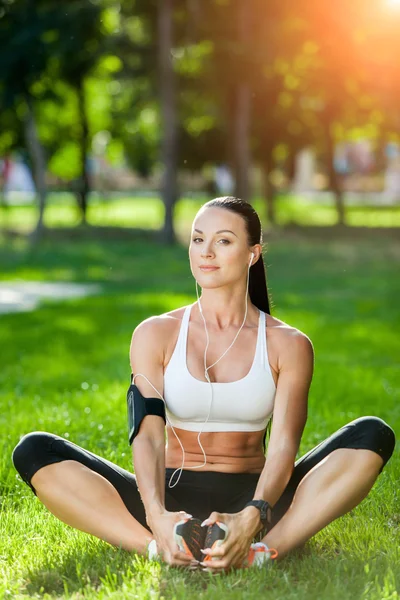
x=252, y=256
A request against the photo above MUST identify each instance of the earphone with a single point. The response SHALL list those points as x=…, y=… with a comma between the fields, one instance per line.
x=206, y=369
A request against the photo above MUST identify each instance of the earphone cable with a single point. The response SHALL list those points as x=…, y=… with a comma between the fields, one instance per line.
x=206, y=369
x=206, y=375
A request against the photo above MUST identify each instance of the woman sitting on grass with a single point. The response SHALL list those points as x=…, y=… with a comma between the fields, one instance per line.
x=224, y=365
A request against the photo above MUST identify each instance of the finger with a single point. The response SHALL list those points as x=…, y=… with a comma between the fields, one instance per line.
x=215, y=553
x=178, y=555
x=215, y=566
x=181, y=559
x=223, y=563
x=213, y=518
x=221, y=550
x=184, y=514
x=173, y=553
x=179, y=563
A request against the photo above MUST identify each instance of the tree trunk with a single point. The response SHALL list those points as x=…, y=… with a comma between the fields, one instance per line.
x=241, y=142
x=269, y=189
x=334, y=180
x=169, y=144
x=291, y=167
x=242, y=114
x=36, y=153
x=84, y=143
x=193, y=19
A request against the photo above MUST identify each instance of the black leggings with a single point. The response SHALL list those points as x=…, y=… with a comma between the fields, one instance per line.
x=200, y=492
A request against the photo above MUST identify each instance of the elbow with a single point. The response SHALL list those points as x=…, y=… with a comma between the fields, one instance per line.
x=147, y=441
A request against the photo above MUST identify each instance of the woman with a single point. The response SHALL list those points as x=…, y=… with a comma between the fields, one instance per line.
x=224, y=365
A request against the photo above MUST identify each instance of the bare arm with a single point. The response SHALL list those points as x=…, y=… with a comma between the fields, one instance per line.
x=146, y=356
x=290, y=415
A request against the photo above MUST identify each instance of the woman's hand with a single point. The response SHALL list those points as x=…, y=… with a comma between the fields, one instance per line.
x=162, y=525
x=242, y=527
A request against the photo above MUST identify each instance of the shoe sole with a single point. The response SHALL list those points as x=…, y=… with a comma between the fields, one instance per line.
x=189, y=535
x=215, y=536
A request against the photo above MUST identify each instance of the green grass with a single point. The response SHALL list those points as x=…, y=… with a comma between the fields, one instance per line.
x=64, y=369
x=149, y=213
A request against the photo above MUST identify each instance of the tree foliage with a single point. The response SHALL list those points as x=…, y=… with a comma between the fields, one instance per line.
x=236, y=83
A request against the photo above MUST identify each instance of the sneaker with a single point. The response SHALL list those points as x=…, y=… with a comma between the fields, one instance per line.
x=152, y=553
x=259, y=555
x=190, y=535
x=216, y=534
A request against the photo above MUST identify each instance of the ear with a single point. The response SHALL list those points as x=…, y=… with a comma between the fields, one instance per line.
x=257, y=251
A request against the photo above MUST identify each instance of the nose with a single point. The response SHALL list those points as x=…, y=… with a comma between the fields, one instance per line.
x=206, y=251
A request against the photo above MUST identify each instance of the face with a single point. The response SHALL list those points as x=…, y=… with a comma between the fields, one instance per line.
x=219, y=242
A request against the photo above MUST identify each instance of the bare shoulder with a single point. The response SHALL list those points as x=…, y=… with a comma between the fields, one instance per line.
x=289, y=343
x=157, y=325
x=158, y=330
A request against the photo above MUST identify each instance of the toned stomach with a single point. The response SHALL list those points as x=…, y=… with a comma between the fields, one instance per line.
x=226, y=451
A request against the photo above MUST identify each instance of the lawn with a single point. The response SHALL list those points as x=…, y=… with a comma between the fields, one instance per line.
x=65, y=369
x=148, y=212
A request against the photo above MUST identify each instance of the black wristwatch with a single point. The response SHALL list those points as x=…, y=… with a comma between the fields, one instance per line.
x=265, y=511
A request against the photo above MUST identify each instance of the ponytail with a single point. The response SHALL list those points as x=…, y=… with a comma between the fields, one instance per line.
x=258, y=290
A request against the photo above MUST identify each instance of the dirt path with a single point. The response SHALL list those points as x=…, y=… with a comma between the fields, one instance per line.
x=22, y=296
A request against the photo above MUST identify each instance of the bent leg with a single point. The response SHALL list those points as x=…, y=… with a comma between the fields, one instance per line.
x=332, y=488
x=329, y=481
x=83, y=490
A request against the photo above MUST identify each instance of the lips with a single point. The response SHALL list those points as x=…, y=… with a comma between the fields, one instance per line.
x=208, y=268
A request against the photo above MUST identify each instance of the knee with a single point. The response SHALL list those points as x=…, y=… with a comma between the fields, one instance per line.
x=380, y=436
x=28, y=448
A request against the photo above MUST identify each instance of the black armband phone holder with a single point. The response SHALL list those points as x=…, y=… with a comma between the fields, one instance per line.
x=139, y=407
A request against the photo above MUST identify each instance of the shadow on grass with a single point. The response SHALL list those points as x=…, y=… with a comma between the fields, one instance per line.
x=115, y=261
x=109, y=569
x=78, y=570
x=305, y=573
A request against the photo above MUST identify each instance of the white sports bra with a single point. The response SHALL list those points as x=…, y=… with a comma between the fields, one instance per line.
x=243, y=405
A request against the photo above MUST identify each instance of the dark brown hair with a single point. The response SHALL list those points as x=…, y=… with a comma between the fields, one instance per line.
x=258, y=290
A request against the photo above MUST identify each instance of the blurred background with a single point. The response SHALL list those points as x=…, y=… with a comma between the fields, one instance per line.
x=133, y=113
x=118, y=120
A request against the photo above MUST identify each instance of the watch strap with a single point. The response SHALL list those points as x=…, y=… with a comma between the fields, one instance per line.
x=264, y=508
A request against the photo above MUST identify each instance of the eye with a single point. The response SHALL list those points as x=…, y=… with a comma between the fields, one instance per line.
x=224, y=241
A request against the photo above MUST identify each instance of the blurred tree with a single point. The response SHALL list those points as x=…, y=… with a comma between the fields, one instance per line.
x=11, y=131
x=256, y=81
x=81, y=42
x=135, y=109
x=24, y=56
x=381, y=67
x=169, y=121
x=148, y=81
x=277, y=75
x=227, y=25
x=335, y=79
